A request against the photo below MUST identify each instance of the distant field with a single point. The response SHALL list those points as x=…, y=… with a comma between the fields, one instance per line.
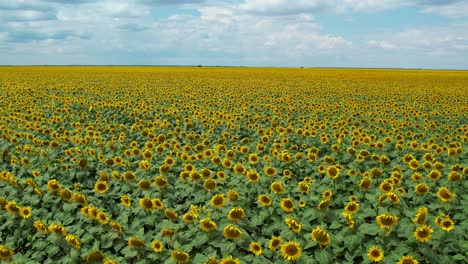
x=233, y=165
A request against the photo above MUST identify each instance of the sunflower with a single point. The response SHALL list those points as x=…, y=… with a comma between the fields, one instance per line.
x=321, y=236
x=407, y=260
x=253, y=158
x=416, y=177
x=303, y=187
x=445, y=195
x=117, y=227
x=275, y=243
x=375, y=254
x=421, y=215
x=103, y=218
x=82, y=163
x=144, y=185
x=218, y=201
x=125, y=200
x=421, y=189
x=171, y=215
x=94, y=256
x=236, y=214
x=327, y=194
x=447, y=224
x=135, y=242
x=287, y=204
x=129, y=176
x=255, y=248
x=302, y=203
x=324, y=204
x=73, y=241
x=6, y=252
x=157, y=203
x=291, y=250
x=434, y=175
x=157, y=246
x=11, y=207
x=352, y=207
x=160, y=182
x=232, y=232
x=230, y=260
x=206, y=173
x=101, y=187
x=209, y=184
x=40, y=226
x=386, y=221
x=269, y=171
x=57, y=229
x=25, y=212
x=423, y=233
x=264, y=200
x=454, y=176
x=188, y=218
x=277, y=187
x=233, y=195
x=239, y=169
x=349, y=219
x=146, y=203
x=208, y=225
x=333, y=172
x=252, y=176
x=386, y=187
x=366, y=183
x=53, y=185
x=294, y=225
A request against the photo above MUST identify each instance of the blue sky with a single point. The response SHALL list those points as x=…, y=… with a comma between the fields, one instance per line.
x=310, y=33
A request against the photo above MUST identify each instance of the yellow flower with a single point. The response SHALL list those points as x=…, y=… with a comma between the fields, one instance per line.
x=294, y=225
x=40, y=226
x=157, y=246
x=25, y=212
x=230, y=260
x=125, y=200
x=421, y=215
x=94, y=256
x=386, y=221
x=255, y=248
x=423, y=233
x=232, y=232
x=407, y=260
x=445, y=195
x=146, y=203
x=269, y=171
x=233, y=195
x=321, y=236
x=207, y=225
x=333, y=172
x=101, y=187
x=352, y=207
x=287, y=204
x=275, y=243
x=6, y=252
x=218, y=201
x=57, y=229
x=375, y=254
x=73, y=241
x=135, y=242
x=291, y=250
x=236, y=214
x=264, y=200
x=180, y=256
x=277, y=187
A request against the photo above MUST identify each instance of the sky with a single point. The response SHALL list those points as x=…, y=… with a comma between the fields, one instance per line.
x=291, y=33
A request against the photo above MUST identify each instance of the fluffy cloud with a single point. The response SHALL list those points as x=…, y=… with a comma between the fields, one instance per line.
x=222, y=32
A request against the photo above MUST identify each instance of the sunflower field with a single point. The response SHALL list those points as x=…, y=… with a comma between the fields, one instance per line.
x=232, y=165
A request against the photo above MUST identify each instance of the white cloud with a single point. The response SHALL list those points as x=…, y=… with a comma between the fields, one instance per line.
x=381, y=44
x=455, y=9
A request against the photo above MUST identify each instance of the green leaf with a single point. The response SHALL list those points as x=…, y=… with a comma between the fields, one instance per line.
x=369, y=229
x=52, y=251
